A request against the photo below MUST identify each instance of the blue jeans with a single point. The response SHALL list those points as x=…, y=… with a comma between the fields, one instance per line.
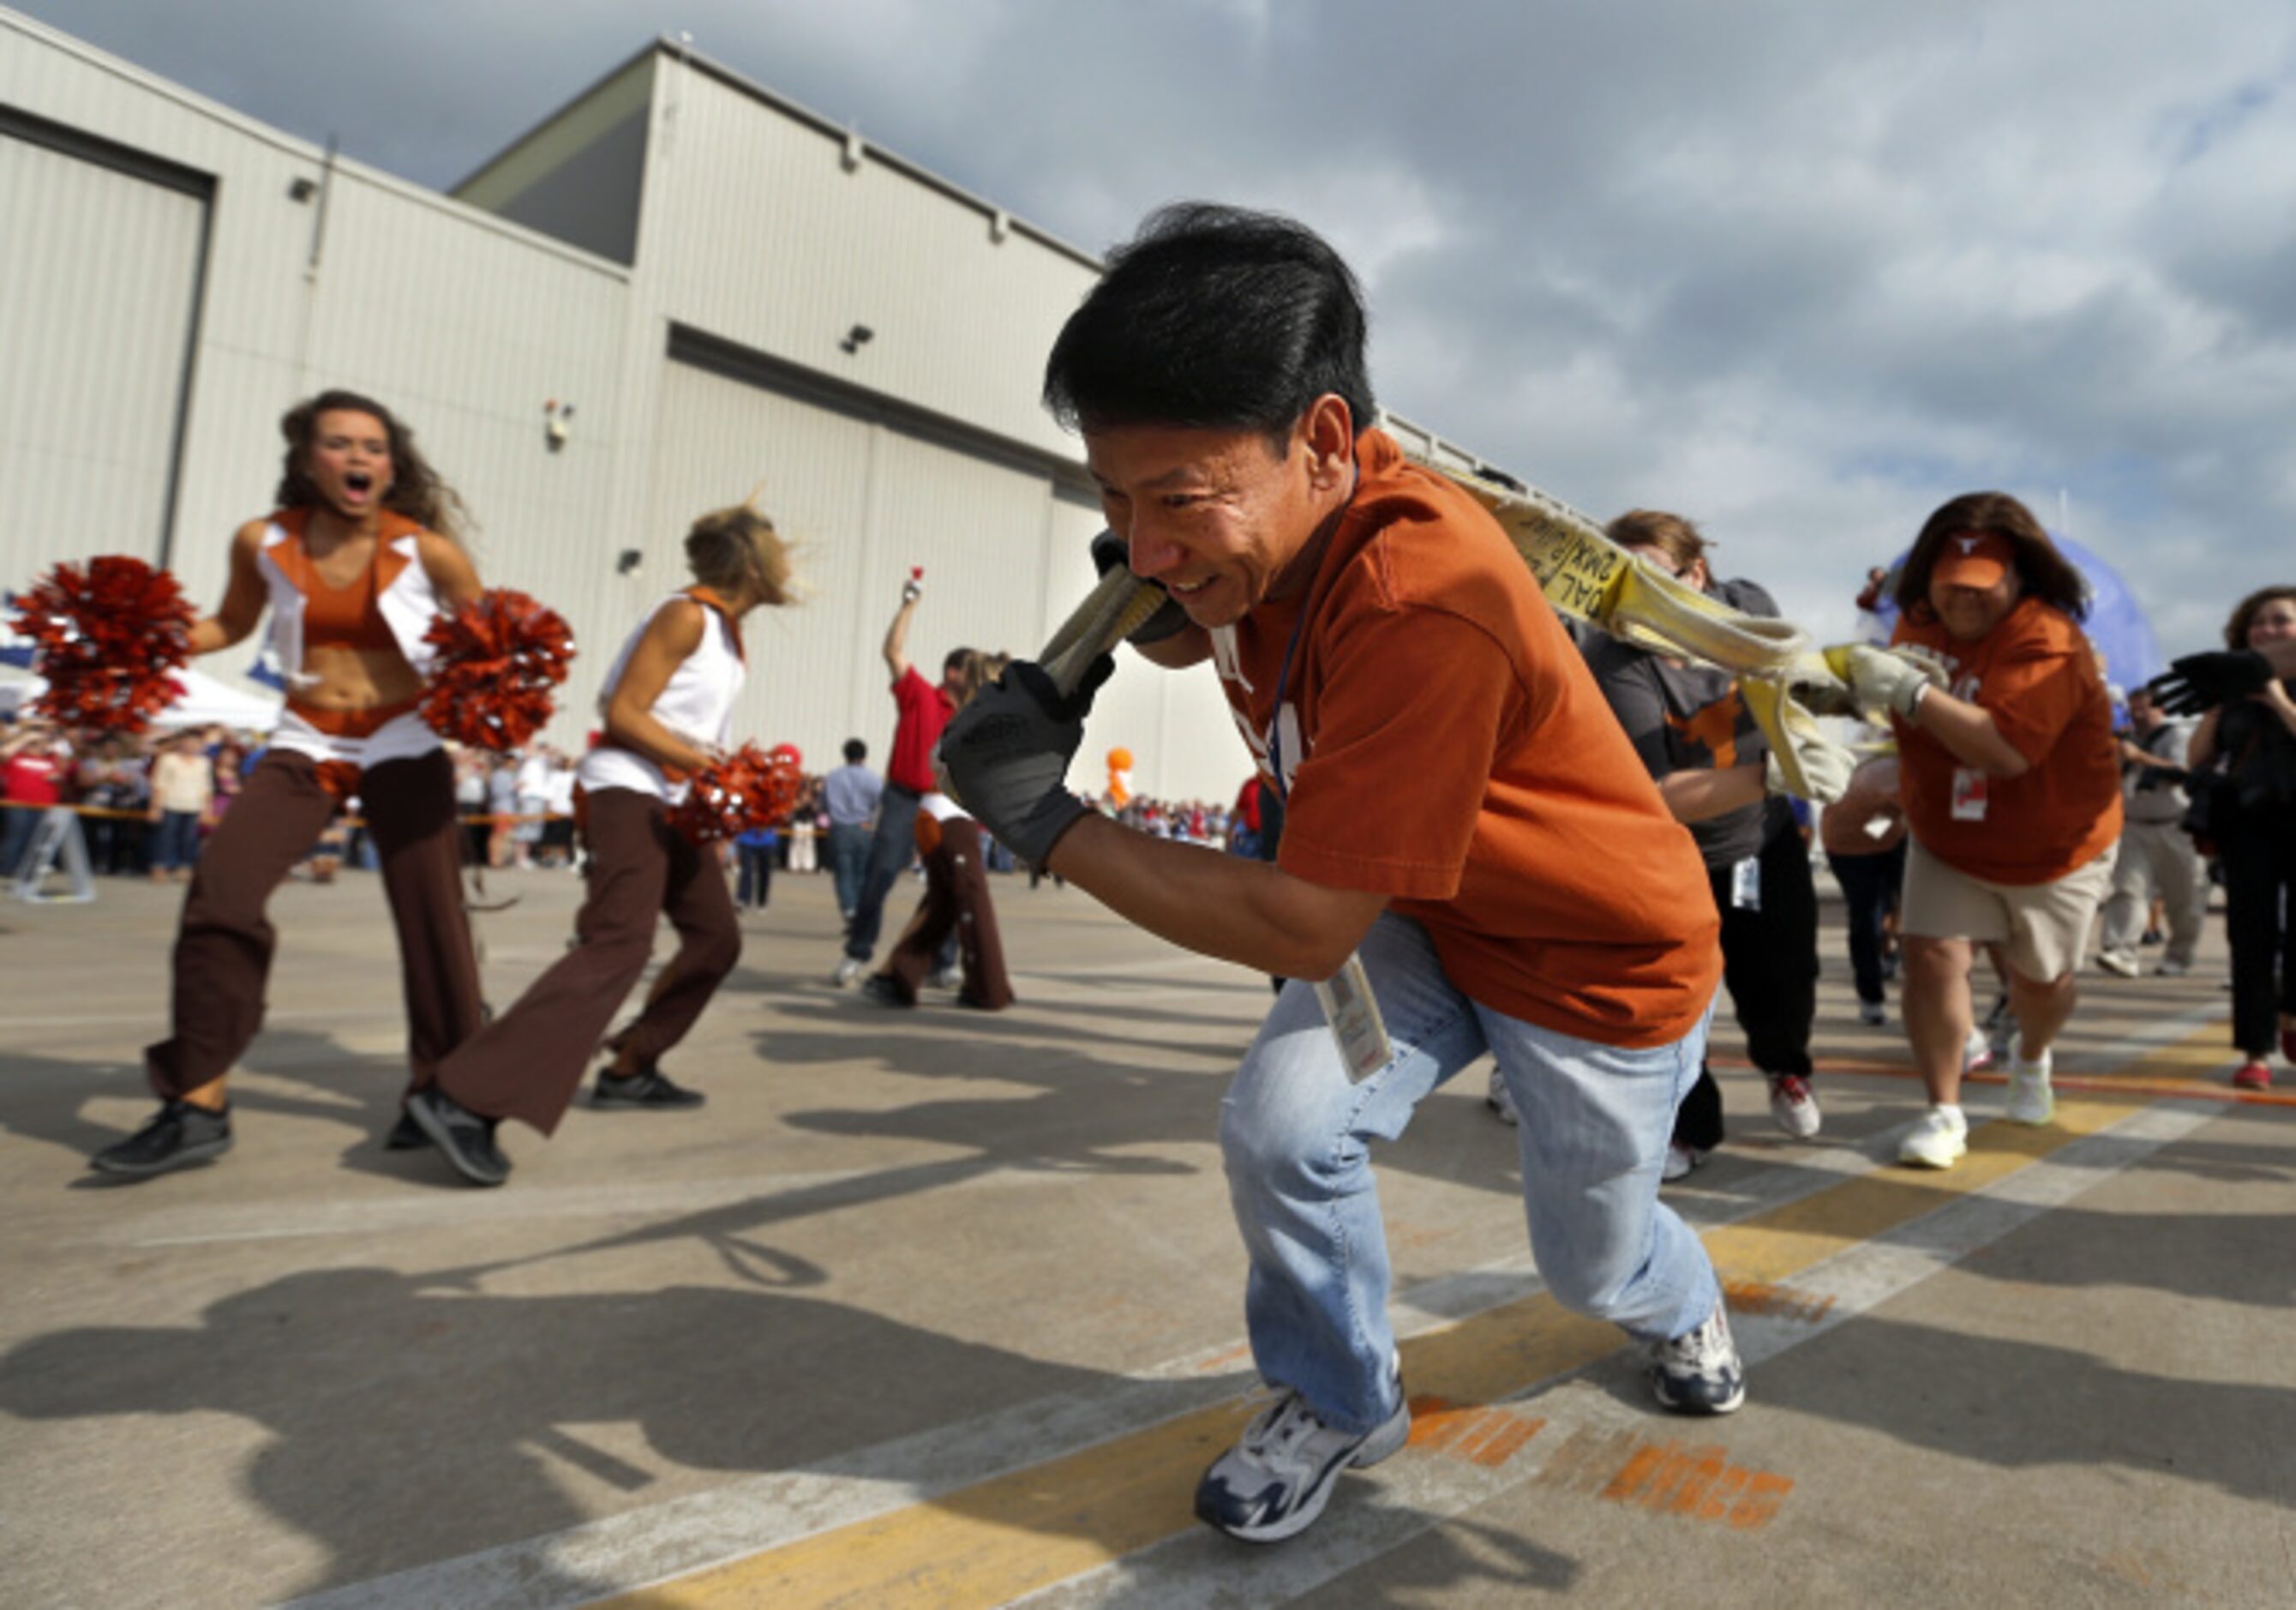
x=16, y=825
x=1294, y=1133
x=176, y=843
x=890, y=851
x=849, y=858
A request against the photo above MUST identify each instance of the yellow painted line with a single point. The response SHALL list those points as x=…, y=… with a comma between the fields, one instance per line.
x=1014, y=1534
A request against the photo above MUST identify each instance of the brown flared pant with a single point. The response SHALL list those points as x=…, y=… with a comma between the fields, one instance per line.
x=956, y=896
x=527, y=1063
x=224, y=943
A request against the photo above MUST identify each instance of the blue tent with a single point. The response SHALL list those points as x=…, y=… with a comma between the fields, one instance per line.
x=2116, y=621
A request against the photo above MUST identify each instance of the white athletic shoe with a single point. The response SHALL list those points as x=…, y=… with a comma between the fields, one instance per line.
x=1976, y=1052
x=1793, y=1106
x=1939, y=1141
x=1679, y=1161
x=2122, y=962
x=947, y=978
x=2172, y=968
x=1500, y=1100
x=1279, y=1475
x=848, y=970
x=2030, y=1099
x=1870, y=1014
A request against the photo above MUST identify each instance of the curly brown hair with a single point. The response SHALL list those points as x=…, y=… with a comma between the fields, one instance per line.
x=2042, y=570
x=415, y=490
x=2243, y=614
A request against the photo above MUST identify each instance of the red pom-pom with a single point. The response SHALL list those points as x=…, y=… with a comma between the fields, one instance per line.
x=108, y=639
x=499, y=656
x=748, y=789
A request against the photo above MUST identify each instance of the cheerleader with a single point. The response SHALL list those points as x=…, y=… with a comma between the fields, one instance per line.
x=359, y=559
x=668, y=701
x=956, y=890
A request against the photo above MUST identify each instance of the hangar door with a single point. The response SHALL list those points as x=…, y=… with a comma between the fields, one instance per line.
x=862, y=501
x=100, y=253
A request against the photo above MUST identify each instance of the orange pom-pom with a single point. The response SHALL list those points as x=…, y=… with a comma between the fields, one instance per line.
x=108, y=639
x=748, y=789
x=499, y=656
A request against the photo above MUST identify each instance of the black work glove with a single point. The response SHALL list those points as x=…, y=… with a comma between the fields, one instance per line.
x=1005, y=755
x=2197, y=681
x=1107, y=552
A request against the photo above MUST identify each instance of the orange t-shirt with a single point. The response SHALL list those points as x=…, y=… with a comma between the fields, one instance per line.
x=2035, y=675
x=1458, y=757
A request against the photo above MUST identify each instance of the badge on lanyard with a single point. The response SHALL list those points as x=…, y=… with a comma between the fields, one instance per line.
x=1353, y=1013
x=1746, y=885
x=1968, y=795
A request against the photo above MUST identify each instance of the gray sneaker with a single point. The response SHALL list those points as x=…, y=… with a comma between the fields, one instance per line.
x=467, y=1138
x=1700, y=1373
x=178, y=1136
x=1279, y=1475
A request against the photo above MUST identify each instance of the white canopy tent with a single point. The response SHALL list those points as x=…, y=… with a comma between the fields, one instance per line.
x=207, y=702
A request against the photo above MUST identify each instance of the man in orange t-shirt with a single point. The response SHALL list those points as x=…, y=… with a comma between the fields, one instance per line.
x=1473, y=859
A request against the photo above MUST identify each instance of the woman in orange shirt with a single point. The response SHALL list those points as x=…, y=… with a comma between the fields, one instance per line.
x=2011, y=789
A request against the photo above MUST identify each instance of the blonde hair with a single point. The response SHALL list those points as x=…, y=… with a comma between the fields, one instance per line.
x=979, y=669
x=731, y=548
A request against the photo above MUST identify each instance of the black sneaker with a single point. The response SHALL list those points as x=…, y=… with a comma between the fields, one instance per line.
x=406, y=1135
x=649, y=1088
x=1279, y=1475
x=884, y=991
x=1700, y=1373
x=467, y=1138
x=178, y=1136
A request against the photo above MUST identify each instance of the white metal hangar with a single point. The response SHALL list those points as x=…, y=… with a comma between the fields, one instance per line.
x=677, y=289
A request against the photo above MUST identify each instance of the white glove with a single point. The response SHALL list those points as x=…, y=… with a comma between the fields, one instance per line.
x=1884, y=680
x=1825, y=765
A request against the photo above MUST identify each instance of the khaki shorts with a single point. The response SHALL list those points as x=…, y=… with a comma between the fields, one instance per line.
x=2042, y=928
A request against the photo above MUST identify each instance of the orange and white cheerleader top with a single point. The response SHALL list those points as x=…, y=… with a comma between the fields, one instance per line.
x=697, y=704
x=396, y=588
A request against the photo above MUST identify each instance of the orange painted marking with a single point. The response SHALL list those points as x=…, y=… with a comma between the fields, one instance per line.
x=1508, y=1441
x=1636, y=1472
x=1747, y=1296
x=1665, y=1478
x=1760, y=1506
x=1715, y=1505
x=1476, y=1432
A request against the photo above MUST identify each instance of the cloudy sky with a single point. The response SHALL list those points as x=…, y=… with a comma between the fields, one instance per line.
x=1799, y=271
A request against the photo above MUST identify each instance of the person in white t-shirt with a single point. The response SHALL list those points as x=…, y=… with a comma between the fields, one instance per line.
x=668, y=704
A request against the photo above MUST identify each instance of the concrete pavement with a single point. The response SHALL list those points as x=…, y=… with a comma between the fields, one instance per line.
x=944, y=1308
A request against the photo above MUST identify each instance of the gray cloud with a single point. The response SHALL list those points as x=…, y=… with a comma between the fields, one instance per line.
x=1800, y=272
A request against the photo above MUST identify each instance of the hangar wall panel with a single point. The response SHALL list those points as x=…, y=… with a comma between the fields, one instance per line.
x=88, y=400
x=757, y=231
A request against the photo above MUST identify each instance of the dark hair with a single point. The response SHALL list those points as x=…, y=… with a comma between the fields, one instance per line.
x=727, y=548
x=958, y=658
x=2243, y=614
x=1670, y=534
x=2042, y=572
x=415, y=490
x=1214, y=317
x=855, y=751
